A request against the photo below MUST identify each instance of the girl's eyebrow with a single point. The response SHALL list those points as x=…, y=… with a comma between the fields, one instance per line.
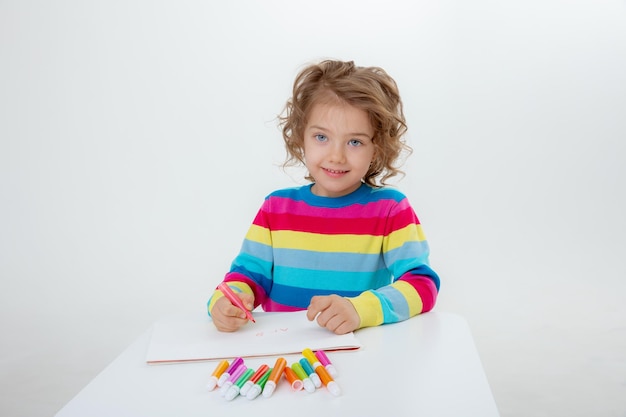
x=316, y=127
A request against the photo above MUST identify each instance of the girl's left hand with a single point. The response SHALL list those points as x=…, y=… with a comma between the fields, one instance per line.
x=333, y=312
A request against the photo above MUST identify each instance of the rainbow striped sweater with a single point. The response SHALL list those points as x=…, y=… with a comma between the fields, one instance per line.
x=367, y=246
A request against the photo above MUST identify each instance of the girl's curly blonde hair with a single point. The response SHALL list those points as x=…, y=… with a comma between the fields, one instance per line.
x=368, y=88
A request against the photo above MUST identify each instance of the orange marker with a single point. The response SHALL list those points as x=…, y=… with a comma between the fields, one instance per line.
x=296, y=383
x=277, y=372
x=327, y=380
x=219, y=370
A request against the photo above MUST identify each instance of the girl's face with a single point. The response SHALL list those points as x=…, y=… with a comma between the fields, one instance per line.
x=338, y=148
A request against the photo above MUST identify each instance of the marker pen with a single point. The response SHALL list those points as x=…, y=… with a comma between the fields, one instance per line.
x=261, y=370
x=235, y=389
x=309, y=386
x=258, y=387
x=274, y=377
x=233, y=378
x=228, y=292
x=296, y=383
x=233, y=366
x=327, y=380
x=310, y=356
x=321, y=355
x=219, y=370
x=309, y=370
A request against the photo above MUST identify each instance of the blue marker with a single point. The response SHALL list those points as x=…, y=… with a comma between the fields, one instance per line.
x=310, y=372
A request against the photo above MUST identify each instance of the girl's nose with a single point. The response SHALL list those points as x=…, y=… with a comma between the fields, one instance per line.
x=337, y=153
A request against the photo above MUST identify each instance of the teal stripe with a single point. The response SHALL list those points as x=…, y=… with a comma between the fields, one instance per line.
x=252, y=264
x=330, y=280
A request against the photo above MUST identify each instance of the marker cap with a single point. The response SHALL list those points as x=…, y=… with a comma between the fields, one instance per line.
x=333, y=388
x=269, y=388
x=309, y=386
x=224, y=388
x=315, y=378
x=232, y=393
x=223, y=378
x=246, y=387
x=212, y=383
x=254, y=392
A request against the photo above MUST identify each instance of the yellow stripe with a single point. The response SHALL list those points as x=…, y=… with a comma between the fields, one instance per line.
x=327, y=243
x=412, y=297
x=259, y=234
x=410, y=233
x=243, y=287
x=368, y=307
x=335, y=243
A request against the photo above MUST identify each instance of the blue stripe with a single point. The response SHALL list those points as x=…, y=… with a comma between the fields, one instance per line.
x=301, y=297
x=353, y=262
x=394, y=305
x=414, y=250
x=258, y=250
x=365, y=192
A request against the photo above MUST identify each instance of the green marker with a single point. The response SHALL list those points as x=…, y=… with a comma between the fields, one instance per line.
x=309, y=386
x=258, y=387
x=233, y=391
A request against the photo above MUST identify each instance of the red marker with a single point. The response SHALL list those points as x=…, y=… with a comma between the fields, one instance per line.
x=254, y=379
x=224, y=288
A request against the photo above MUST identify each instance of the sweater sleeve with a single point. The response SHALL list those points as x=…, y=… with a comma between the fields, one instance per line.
x=415, y=285
x=251, y=270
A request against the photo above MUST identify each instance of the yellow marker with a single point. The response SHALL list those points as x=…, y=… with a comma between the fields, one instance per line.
x=219, y=370
x=327, y=380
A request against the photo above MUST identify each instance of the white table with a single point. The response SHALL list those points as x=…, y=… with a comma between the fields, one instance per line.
x=426, y=366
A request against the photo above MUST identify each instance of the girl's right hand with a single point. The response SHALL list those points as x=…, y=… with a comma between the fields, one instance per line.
x=229, y=318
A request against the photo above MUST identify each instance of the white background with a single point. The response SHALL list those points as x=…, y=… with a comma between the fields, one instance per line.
x=138, y=139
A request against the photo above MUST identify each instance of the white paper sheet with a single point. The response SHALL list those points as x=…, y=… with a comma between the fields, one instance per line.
x=193, y=337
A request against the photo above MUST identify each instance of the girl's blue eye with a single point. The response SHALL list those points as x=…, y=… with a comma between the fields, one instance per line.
x=321, y=138
x=355, y=142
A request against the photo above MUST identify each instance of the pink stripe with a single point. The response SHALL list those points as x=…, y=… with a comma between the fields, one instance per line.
x=270, y=305
x=378, y=208
x=426, y=289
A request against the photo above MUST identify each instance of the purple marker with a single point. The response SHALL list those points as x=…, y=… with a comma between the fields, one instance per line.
x=233, y=378
x=233, y=366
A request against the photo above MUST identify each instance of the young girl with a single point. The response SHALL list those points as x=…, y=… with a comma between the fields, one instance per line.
x=345, y=247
